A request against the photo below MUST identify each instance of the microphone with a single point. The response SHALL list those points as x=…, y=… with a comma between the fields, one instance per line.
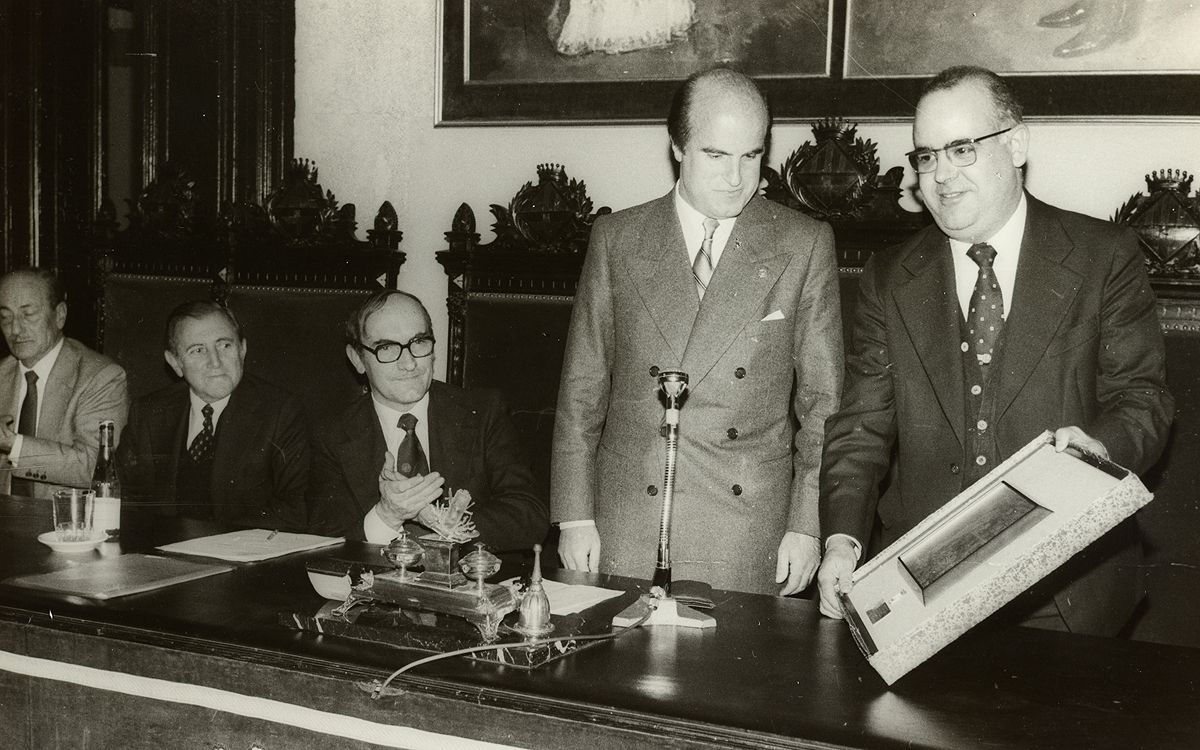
x=657, y=607
x=673, y=387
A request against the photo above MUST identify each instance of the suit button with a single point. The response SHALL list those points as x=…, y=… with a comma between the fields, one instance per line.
x=739, y=373
x=732, y=433
x=954, y=469
x=651, y=490
x=654, y=371
x=737, y=489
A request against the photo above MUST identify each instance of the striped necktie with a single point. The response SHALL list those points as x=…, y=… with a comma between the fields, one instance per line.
x=702, y=267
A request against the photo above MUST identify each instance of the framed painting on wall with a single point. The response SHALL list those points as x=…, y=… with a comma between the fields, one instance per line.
x=619, y=61
x=588, y=61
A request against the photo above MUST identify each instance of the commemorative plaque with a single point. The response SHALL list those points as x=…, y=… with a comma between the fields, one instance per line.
x=977, y=552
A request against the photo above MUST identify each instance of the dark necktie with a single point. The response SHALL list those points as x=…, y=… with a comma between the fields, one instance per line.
x=28, y=420
x=702, y=267
x=202, y=445
x=27, y=426
x=985, y=317
x=410, y=457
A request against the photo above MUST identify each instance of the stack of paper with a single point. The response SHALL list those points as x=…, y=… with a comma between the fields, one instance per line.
x=251, y=545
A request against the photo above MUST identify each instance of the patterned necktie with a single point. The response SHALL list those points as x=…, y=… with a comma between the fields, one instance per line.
x=410, y=457
x=202, y=445
x=986, y=315
x=702, y=267
x=27, y=422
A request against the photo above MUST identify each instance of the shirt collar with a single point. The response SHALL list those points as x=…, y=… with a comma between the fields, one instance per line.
x=218, y=406
x=691, y=222
x=45, y=364
x=1006, y=240
x=389, y=415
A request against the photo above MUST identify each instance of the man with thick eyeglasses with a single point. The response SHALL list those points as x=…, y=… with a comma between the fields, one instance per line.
x=410, y=440
x=1006, y=318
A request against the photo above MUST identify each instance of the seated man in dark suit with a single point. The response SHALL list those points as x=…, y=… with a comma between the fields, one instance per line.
x=54, y=391
x=371, y=466
x=219, y=444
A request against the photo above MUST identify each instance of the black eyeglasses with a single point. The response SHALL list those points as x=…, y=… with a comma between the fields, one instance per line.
x=386, y=353
x=961, y=153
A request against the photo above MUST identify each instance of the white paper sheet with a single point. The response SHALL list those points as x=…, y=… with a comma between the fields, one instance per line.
x=566, y=599
x=251, y=545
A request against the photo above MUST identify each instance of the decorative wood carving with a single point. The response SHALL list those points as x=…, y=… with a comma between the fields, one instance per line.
x=1167, y=222
x=299, y=235
x=836, y=179
x=541, y=238
x=300, y=238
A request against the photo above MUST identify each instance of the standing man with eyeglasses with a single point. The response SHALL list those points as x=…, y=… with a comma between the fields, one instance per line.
x=378, y=467
x=220, y=443
x=1007, y=318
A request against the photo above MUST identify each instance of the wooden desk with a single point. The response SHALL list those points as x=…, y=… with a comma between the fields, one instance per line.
x=773, y=674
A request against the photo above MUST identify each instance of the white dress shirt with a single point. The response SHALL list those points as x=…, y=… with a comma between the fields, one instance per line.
x=1007, y=242
x=375, y=529
x=196, y=417
x=42, y=367
x=691, y=222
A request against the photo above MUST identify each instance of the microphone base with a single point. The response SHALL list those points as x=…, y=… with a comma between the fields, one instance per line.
x=666, y=611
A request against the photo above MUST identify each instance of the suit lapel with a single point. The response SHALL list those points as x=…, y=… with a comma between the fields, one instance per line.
x=8, y=395
x=360, y=451
x=1044, y=290
x=238, y=423
x=663, y=277
x=10, y=385
x=748, y=269
x=60, y=386
x=928, y=306
x=451, y=433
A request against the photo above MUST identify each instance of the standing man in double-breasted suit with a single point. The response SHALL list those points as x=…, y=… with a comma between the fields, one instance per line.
x=1007, y=318
x=739, y=293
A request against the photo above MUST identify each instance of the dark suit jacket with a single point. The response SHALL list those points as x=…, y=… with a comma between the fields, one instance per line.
x=1083, y=347
x=260, y=469
x=472, y=443
x=763, y=352
x=84, y=388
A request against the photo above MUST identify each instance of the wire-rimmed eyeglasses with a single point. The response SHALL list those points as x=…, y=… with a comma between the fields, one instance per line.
x=390, y=351
x=961, y=153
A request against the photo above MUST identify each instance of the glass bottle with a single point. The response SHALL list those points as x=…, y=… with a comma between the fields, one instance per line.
x=107, y=515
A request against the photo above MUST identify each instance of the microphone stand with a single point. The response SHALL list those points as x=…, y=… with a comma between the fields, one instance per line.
x=664, y=610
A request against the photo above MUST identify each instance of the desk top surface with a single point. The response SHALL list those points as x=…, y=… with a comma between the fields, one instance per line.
x=773, y=671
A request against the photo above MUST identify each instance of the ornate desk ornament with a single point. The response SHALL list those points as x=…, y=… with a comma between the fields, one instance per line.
x=479, y=566
x=1167, y=222
x=534, y=611
x=403, y=552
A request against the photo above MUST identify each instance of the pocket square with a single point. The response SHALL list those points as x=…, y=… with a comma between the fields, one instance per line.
x=777, y=315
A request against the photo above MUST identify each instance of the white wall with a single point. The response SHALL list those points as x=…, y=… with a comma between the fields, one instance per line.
x=365, y=92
